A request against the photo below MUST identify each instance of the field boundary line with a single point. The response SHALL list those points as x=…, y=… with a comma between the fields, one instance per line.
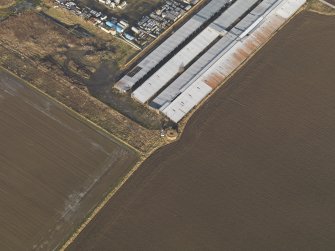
x=137, y=165
x=127, y=176
x=91, y=216
x=183, y=124
x=102, y=205
x=77, y=115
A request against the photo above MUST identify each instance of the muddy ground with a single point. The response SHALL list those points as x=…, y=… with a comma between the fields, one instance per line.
x=89, y=58
x=64, y=91
x=54, y=168
x=254, y=169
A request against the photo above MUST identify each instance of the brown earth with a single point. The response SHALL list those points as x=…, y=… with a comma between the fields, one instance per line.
x=54, y=168
x=254, y=169
x=61, y=89
x=5, y=3
x=85, y=59
x=58, y=42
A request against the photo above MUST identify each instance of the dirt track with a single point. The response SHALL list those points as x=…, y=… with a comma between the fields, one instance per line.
x=255, y=167
x=53, y=168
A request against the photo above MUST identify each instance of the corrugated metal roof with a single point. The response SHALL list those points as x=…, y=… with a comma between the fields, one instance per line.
x=249, y=22
x=289, y=8
x=231, y=59
x=211, y=8
x=176, y=64
x=170, y=44
x=187, y=100
x=232, y=14
x=170, y=69
x=193, y=72
x=212, y=55
x=265, y=7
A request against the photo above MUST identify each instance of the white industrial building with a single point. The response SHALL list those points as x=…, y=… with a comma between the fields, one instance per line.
x=193, y=72
x=195, y=47
x=169, y=45
x=214, y=53
x=209, y=58
x=231, y=59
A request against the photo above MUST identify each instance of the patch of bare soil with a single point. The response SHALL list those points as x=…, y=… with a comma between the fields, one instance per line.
x=89, y=61
x=79, y=100
x=47, y=43
x=6, y=3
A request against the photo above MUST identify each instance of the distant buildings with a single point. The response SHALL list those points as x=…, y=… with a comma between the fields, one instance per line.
x=113, y=4
x=147, y=28
x=160, y=19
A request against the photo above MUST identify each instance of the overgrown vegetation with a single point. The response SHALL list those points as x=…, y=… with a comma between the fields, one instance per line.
x=319, y=7
x=74, y=62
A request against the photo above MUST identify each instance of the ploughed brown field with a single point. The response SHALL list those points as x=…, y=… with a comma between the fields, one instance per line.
x=255, y=168
x=53, y=168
